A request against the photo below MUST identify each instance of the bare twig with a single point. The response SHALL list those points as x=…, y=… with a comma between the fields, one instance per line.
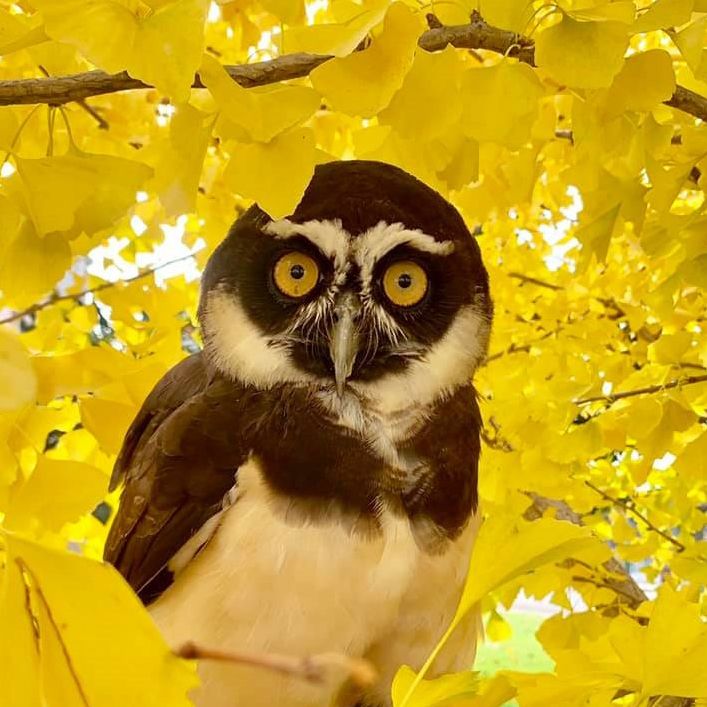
x=534, y=281
x=475, y=35
x=53, y=299
x=613, y=397
x=628, y=504
x=314, y=668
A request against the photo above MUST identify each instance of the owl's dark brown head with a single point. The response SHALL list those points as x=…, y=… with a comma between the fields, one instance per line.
x=373, y=286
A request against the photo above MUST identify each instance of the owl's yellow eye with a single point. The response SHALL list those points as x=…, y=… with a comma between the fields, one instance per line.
x=296, y=274
x=405, y=283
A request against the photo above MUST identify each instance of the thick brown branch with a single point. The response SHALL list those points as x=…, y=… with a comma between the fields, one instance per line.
x=475, y=35
x=613, y=397
x=313, y=668
x=53, y=299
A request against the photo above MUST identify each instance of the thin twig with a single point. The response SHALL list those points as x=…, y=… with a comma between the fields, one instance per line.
x=32, y=309
x=314, y=668
x=475, y=35
x=613, y=397
x=534, y=281
x=629, y=504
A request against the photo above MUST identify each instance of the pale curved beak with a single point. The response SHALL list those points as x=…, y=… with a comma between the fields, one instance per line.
x=344, y=339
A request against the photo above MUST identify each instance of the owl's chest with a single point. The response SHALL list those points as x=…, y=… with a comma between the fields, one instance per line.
x=322, y=449
x=266, y=582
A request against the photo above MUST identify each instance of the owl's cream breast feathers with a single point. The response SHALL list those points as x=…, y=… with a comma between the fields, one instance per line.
x=268, y=585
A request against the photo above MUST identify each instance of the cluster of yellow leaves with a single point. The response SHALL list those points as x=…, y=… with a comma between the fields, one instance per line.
x=590, y=192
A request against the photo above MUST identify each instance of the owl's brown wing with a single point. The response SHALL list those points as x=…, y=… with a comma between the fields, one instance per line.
x=178, y=461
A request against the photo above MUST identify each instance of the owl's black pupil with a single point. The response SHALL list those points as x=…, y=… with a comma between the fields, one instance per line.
x=296, y=272
x=404, y=281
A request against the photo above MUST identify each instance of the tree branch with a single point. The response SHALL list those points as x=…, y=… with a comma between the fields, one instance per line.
x=612, y=398
x=630, y=505
x=618, y=578
x=53, y=299
x=310, y=668
x=534, y=281
x=475, y=35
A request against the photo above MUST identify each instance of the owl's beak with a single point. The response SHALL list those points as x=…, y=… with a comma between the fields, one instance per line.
x=344, y=339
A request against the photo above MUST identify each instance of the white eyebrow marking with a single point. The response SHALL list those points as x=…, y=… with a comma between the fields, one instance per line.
x=376, y=242
x=338, y=244
x=329, y=236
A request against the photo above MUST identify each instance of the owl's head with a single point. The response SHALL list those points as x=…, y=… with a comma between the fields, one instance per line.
x=373, y=286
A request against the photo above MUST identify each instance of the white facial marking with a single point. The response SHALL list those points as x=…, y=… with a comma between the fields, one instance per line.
x=375, y=409
x=449, y=364
x=241, y=351
x=328, y=236
x=378, y=241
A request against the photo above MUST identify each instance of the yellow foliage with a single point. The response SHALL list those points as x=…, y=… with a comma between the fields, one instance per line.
x=158, y=43
x=363, y=83
x=589, y=194
x=583, y=54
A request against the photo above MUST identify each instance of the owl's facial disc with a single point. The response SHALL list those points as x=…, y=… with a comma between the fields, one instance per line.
x=384, y=312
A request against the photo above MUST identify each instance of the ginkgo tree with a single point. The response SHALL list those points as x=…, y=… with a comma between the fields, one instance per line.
x=571, y=136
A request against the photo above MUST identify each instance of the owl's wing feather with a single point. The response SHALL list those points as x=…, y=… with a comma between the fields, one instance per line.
x=178, y=461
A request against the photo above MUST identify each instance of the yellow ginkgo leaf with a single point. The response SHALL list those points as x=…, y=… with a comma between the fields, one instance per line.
x=500, y=102
x=666, y=182
x=19, y=656
x=18, y=383
x=337, y=39
x=692, y=461
x=16, y=33
x=256, y=113
x=497, y=628
x=645, y=80
x=178, y=170
x=529, y=545
x=582, y=54
x=289, y=11
x=428, y=102
x=675, y=648
x=161, y=47
x=512, y=15
x=595, y=235
x=115, y=650
x=691, y=42
x=57, y=492
x=31, y=265
x=79, y=191
x=364, y=82
x=446, y=690
x=664, y=13
x=619, y=10
x=274, y=174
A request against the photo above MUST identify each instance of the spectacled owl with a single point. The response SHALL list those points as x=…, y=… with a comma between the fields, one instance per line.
x=308, y=482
